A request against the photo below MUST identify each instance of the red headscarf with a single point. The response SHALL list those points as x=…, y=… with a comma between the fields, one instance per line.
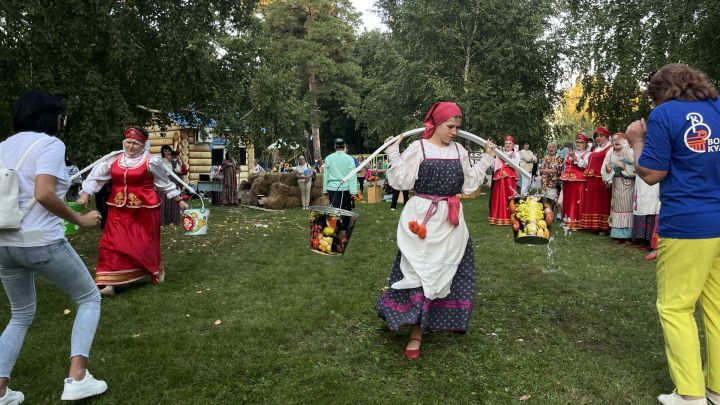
x=581, y=137
x=134, y=133
x=602, y=131
x=439, y=113
x=509, y=138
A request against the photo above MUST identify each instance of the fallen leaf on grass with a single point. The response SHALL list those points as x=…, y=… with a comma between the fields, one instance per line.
x=218, y=322
x=199, y=291
x=136, y=335
x=66, y=312
x=525, y=397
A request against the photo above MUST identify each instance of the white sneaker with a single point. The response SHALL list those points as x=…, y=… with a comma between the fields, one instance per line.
x=87, y=387
x=712, y=399
x=12, y=397
x=676, y=399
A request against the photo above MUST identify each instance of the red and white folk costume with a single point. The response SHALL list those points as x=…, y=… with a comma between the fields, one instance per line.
x=129, y=247
x=573, y=179
x=595, y=202
x=504, y=187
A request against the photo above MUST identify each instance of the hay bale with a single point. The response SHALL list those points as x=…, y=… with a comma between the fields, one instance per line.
x=260, y=186
x=279, y=190
x=245, y=185
x=294, y=191
x=289, y=178
x=293, y=202
x=273, y=203
x=315, y=193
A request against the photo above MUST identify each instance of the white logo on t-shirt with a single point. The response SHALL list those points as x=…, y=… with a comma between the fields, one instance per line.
x=697, y=137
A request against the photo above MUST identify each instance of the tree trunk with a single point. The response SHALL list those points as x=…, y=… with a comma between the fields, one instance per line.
x=314, y=124
x=468, y=56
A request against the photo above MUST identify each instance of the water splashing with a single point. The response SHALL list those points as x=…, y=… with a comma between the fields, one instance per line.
x=551, y=260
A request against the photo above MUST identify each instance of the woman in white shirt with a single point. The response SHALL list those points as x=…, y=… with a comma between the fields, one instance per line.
x=304, y=173
x=39, y=246
x=432, y=284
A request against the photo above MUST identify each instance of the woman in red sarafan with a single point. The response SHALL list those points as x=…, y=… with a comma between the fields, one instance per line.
x=595, y=208
x=129, y=247
x=504, y=185
x=573, y=179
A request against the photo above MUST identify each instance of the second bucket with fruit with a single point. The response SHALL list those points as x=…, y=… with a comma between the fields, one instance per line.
x=330, y=229
x=531, y=218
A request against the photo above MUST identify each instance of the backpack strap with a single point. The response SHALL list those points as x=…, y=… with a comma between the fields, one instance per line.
x=32, y=201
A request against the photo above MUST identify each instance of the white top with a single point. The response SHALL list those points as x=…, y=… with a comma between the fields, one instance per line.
x=40, y=227
x=647, y=198
x=431, y=263
x=303, y=170
x=100, y=174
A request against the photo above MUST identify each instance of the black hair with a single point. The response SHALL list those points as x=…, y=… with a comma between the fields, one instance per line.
x=36, y=111
x=164, y=148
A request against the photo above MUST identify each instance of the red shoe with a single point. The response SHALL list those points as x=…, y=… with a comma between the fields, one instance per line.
x=412, y=354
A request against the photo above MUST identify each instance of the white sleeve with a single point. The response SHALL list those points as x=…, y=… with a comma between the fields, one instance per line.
x=160, y=178
x=475, y=174
x=583, y=162
x=607, y=177
x=51, y=158
x=99, y=175
x=403, y=168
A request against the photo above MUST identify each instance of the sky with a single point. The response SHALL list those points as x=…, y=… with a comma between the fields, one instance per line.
x=369, y=19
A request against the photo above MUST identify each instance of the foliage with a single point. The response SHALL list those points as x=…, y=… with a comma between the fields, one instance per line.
x=312, y=40
x=615, y=44
x=571, y=116
x=297, y=327
x=497, y=62
x=106, y=58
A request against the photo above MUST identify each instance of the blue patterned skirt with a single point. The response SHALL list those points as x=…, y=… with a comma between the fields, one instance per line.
x=411, y=307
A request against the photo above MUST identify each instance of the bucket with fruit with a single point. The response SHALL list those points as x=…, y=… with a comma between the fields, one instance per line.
x=330, y=229
x=531, y=218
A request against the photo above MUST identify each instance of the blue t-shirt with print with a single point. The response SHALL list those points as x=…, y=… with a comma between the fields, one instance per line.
x=683, y=138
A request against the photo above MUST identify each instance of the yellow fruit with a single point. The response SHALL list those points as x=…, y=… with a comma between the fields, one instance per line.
x=541, y=223
x=328, y=231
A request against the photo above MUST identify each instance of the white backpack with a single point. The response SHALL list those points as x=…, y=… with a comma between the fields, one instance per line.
x=10, y=213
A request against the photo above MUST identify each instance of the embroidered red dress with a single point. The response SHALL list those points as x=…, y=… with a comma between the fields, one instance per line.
x=573, y=179
x=504, y=188
x=130, y=245
x=595, y=202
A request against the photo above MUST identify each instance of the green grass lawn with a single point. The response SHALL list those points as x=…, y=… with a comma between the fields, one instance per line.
x=579, y=327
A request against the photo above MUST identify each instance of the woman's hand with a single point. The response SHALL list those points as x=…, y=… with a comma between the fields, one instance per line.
x=83, y=199
x=90, y=220
x=636, y=131
x=608, y=169
x=399, y=140
x=183, y=205
x=620, y=165
x=490, y=148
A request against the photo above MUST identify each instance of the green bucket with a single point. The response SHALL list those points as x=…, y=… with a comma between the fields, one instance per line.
x=70, y=228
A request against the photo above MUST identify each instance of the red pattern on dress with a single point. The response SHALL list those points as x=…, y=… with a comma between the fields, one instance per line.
x=595, y=206
x=573, y=178
x=504, y=188
x=129, y=247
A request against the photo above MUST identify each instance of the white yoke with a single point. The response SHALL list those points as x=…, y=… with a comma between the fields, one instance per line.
x=431, y=263
x=100, y=174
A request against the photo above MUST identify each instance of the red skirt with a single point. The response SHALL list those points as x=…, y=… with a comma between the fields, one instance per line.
x=129, y=246
x=595, y=205
x=572, y=195
x=503, y=190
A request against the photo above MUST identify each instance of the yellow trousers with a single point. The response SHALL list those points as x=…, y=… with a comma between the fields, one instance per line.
x=688, y=270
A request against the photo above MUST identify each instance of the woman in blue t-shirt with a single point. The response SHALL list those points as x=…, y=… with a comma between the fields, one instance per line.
x=680, y=149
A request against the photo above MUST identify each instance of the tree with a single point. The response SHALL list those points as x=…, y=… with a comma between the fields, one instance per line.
x=314, y=39
x=498, y=63
x=615, y=44
x=106, y=58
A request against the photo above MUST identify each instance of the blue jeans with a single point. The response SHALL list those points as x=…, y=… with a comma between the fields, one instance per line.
x=61, y=265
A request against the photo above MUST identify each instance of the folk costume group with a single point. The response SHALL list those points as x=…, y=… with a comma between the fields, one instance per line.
x=432, y=283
